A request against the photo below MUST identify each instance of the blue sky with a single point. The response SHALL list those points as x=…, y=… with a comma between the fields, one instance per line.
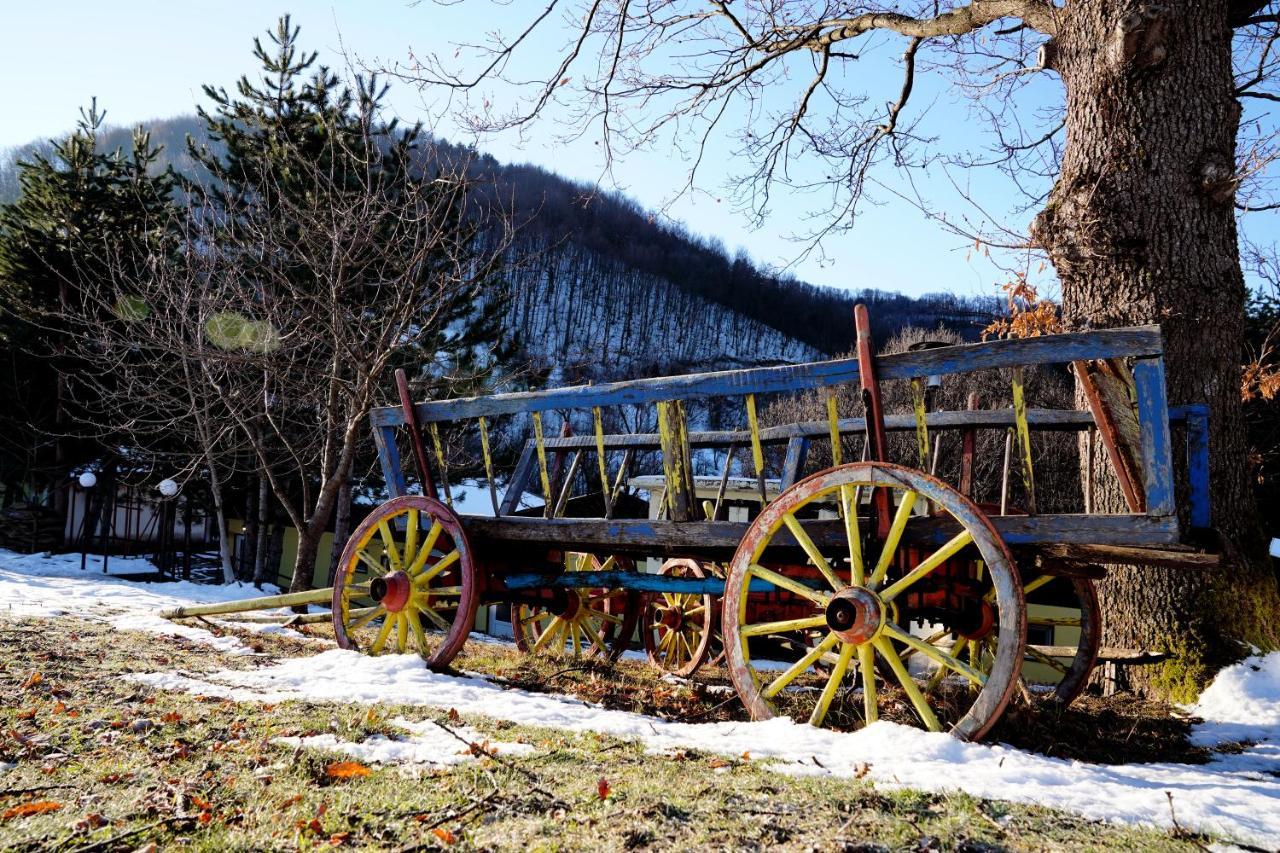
x=145, y=60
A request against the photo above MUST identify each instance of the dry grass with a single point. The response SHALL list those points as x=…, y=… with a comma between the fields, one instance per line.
x=129, y=766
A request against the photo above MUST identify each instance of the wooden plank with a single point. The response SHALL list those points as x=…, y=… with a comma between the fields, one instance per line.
x=1106, y=653
x=519, y=482
x=1157, y=451
x=1108, y=391
x=677, y=464
x=797, y=450
x=1198, y=466
x=1124, y=555
x=1049, y=349
x=384, y=440
x=1023, y=430
x=643, y=581
x=665, y=537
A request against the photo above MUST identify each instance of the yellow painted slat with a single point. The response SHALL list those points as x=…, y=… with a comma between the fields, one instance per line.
x=922, y=427
x=1024, y=438
x=833, y=426
x=440, y=466
x=540, y=444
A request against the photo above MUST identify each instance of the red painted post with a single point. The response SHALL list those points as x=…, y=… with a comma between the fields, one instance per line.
x=415, y=435
x=878, y=442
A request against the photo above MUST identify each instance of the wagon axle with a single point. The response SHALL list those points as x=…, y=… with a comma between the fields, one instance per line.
x=392, y=591
x=855, y=615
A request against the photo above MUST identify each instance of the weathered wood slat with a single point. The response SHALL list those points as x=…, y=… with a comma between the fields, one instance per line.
x=1120, y=554
x=659, y=536
x=1050, y=349
x=1106, y=653
x=1157, y=450
x=626, y=580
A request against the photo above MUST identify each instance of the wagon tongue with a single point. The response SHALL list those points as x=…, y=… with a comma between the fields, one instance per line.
x=391, y=591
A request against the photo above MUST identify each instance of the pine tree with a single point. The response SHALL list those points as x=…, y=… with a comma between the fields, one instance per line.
x=76, y=203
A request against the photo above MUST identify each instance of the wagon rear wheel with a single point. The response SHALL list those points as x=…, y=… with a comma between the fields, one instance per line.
x=1065, y=611
x=678, y=627
x=406, y=581
x=588, y=622
x=890, y=625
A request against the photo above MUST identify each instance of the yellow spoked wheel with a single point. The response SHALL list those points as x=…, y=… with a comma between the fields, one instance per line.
x=406, y=582
x=890, y=623
x=678, y=627
x=580, y=622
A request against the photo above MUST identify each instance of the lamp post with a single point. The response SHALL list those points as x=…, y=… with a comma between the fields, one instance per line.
x=87, y=481
x=169, y=490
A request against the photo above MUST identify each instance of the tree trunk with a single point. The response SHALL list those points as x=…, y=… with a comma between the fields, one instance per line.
x=224, y=535
x=1141, y=229
x=341, y=528
x=260, y=549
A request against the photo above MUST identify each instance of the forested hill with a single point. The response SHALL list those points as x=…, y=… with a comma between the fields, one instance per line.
x=603, y=289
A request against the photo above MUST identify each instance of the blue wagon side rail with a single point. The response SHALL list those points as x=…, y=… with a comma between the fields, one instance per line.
x=1158, y=527
x=864, y=590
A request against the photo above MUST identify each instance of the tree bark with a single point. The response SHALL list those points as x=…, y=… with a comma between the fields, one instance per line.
x=1141, y=228
x=260, y=546
x=341, y=528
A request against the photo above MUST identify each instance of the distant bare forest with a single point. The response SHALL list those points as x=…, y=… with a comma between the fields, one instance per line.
x=602, y=289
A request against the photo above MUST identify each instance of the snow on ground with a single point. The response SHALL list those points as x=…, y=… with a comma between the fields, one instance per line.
x=427, y=746
x=48, y=585
x=1237, y=796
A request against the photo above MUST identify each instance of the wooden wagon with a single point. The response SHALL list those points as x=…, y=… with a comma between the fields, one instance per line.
x=867, y=590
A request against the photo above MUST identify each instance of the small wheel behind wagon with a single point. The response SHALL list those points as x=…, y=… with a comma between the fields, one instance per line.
x=406, y=581
x=889, y=625
x=678, y=627
x=595, y=621
x=1067, y=609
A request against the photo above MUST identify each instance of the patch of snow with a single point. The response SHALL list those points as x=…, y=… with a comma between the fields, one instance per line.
x=1236, y=796
x=1242, y=704
x=427, y=746
x=48, y=585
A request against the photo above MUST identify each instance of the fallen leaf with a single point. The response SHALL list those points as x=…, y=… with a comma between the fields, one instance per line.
x=445, y=836
x=603, y=789
x=28, y=714
x=454, y=716
x=717, y=763
x=32, y=680
x=171, y=717
x=28, y=809
x=346, y=770
x=746, y=756
x=93, y=820
x=339, y=838
x=204, y=818
x=861, y=769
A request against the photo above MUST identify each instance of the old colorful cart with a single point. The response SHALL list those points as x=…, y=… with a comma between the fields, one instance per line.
x=867, y=590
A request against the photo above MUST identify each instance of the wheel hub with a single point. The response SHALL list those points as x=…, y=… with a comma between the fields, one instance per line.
x=855, y=615
x=392, y=591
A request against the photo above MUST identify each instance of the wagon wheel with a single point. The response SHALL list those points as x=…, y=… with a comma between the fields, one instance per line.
x=591, y=621
x=1065, y=666
x=678, y=627
x=870, y=613
x=406, y=580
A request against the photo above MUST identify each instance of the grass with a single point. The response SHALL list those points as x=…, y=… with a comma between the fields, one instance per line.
x=129, y=766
